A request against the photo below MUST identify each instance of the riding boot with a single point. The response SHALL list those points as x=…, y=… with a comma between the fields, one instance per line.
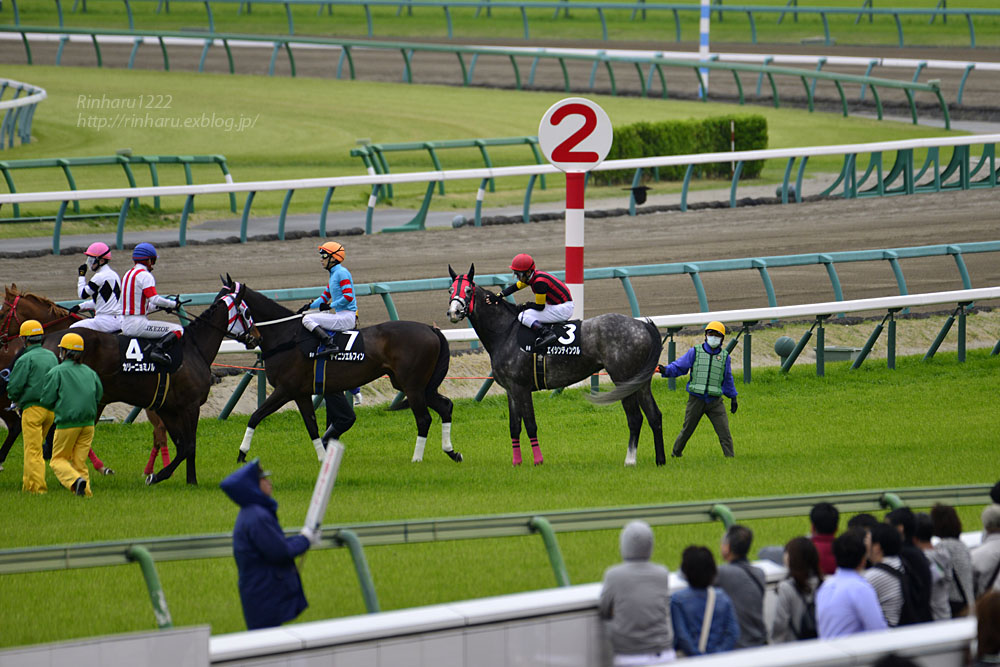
x=545, y=338
x=328, y=340
x=157, y=353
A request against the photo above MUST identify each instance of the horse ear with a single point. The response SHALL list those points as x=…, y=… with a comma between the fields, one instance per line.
x=452, y=272
x=229, y=280
x=223, y=281
x=472, y=271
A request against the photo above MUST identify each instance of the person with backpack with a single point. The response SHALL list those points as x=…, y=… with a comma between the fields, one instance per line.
x=744, y=584
x=941, y=567
x=986, y=557
x=898, y=590
x=948, y=530
x=795, y=608
x=916, y=564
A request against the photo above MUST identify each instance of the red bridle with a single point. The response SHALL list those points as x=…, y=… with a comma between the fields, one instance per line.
x=464, y=290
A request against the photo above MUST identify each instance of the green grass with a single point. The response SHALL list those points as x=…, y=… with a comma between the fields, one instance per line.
x=306, y=128
x=507, y=24
x=924, y=424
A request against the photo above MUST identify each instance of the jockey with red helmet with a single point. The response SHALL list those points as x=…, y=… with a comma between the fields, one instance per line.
x=553, y=301
x=101, y=293
x=337, y=305
x=139, y=297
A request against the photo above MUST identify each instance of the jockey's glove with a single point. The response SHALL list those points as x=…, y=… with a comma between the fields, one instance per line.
x=733, y=405
x=324, y=306
x=304, y=308
x=82, y=270
x=75, y=309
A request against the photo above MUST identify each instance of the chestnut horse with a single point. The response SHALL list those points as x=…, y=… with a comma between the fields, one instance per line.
x=20, y=306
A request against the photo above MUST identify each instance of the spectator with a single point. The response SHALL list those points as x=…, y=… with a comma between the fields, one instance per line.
x=915, y=563
x=883, y=552
x=863, y=521
x=269, y=583
x=995, y=493
x=986, y=557
x=72, y=391
x=824, y=518
x=635, y=602
x=24, y=387
x=795, y=610
x=700, y=606
x=988, y=631
x=744, y=584
x=948, y=530
x=941, y=569
x=846, y=603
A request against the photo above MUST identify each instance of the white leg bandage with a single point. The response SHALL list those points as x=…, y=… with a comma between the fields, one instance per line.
x=418, y=450
x=247, y=437
x=320, y=450
x=446, y=437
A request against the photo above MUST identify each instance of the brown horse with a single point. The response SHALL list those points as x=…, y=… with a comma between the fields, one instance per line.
x=20, y=306
x=415, y=356
x=178, y=397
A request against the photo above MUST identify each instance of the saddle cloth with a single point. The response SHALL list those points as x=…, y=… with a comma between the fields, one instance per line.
x=133, y=355
x=350, y=343
x=566, y=344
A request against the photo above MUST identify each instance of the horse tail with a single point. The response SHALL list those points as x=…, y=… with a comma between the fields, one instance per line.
x=640, y=379
x=437, y=377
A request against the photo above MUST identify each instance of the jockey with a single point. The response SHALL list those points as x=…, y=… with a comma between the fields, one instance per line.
x=102, y=292
x=138, y=294
x=337, y=297
x=553, y=301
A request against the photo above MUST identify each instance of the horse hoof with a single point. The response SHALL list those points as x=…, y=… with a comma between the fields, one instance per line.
x=629, y=464
x=150, y=480
x=241, y=457
x=661, y=462
x=416, y=459
x=455, y=456
x=1, y=467
x=539, y=461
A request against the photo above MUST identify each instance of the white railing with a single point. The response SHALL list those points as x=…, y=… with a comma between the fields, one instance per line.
x=17, y=113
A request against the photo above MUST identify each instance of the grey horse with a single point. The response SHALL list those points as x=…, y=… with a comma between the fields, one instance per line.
x=627, y=348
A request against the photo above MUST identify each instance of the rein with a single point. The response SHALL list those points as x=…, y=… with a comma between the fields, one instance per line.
x=279, y=320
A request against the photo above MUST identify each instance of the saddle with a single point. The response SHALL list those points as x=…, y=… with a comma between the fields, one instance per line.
x=350, y=343
x=133, y=355
x=566, y=341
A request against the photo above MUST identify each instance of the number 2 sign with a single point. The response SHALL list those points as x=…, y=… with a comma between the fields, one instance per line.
x=575, y=134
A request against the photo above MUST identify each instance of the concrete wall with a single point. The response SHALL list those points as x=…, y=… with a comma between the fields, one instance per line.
x=155, y=648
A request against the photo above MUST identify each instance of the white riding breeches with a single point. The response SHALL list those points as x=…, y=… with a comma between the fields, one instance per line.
x=105, y=323
x=558, y=312
x=140, y=327
x=330, y=321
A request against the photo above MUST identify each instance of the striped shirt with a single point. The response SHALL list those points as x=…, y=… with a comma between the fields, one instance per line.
x=547, y=288
x=888, y=588
x=139, y=291
x=339, y=292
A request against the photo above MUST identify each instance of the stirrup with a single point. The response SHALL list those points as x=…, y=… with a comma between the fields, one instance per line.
x=160, y=357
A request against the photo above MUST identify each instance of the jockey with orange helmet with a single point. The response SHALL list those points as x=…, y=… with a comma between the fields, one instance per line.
x=102, y=292
x=139, y=297
x=553, y=301
x=337, y=305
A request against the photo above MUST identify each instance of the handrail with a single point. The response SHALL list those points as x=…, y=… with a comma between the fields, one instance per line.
x=654, y=62
x=18, y=112
x=598, y=7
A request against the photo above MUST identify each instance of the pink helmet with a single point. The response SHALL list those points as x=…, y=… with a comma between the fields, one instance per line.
x=98, y=250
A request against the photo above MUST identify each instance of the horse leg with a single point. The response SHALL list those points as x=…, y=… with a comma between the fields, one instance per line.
x=159, y=441
x=92, y=455
x=528, y=415
x=13, y=422
x=339, y=418
x=655, y=419
x=443, y=406
x=423, y=417
x=634, y=418
x=181, y=427
x=277, y=399
x=514, y=420
x=191, y=422
x=308, y=414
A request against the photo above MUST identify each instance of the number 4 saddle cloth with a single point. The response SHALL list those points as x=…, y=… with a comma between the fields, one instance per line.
x=133, y=355
x=567, y=342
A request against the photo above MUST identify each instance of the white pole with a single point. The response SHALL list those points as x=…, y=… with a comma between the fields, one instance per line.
x=703, y=53
x=324, y=484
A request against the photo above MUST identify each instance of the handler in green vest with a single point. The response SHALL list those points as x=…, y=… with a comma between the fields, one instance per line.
x=711, y=378
x=25, y=388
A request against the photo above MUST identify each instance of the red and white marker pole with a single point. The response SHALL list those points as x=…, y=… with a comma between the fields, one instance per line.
x=575, y=135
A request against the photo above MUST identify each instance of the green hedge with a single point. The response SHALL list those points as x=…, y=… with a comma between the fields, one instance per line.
x=684, y=137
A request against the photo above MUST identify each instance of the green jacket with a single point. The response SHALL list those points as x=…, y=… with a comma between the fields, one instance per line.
x=72, y=391
x=28, y=376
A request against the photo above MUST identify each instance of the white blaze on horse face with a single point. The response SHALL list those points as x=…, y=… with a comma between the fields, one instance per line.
x=455, y=310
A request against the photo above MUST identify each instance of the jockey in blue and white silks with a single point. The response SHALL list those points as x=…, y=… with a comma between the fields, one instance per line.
x=338, y=305
x=102, y=292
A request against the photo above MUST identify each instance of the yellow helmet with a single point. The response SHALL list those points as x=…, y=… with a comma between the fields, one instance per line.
x=718, y=327
x=333, y=250
x=31, y=328
x=72, y=341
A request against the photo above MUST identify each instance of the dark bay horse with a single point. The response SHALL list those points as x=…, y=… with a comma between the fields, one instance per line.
x=19, y=306
x=627, y=348
x=186, y=390
x=415, y=356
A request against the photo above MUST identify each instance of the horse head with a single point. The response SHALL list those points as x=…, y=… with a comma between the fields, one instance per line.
x=241, y=325
x=463, y=294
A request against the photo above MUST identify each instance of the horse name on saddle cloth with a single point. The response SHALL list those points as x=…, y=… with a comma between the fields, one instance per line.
x=350, y=345
x=567, y=341
x=133, y=354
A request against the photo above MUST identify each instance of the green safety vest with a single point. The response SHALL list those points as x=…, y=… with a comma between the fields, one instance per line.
x=707, y=372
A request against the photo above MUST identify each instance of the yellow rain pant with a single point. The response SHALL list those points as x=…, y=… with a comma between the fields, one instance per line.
x=35, y=424
x=69, y=455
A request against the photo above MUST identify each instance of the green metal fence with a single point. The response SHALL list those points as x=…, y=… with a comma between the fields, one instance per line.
x=639, y=8
x=126, y=162
x=547, y=525
x=18, y=112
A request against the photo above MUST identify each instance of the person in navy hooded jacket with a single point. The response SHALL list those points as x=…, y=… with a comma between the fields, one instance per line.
x=269, y=583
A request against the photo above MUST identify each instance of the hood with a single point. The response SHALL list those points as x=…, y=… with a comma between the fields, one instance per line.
x=637, y=541
x=243, y=486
